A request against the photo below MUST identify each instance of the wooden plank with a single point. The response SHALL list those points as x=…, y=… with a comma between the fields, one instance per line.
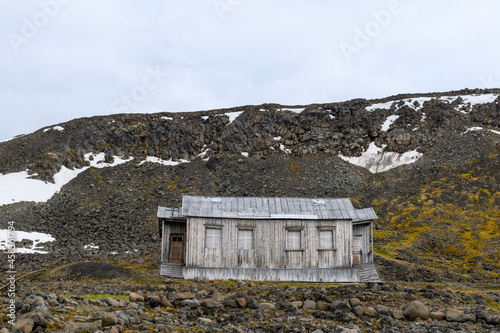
x=296, y=275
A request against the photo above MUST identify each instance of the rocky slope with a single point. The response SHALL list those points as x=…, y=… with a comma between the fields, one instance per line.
x=439, y=217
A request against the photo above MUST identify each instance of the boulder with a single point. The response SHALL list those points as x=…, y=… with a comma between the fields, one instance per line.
x=382, y=310
x=241, y=302
x=354, y=301
x=358, y=310
x=267, y=306
x=134, y=297
x=122, y=316
x=253, y=304
x=210, y=303
x=109, y=319
x=369, y=311
x=323, y=306
x=185, y=295
x=341, y=304
x=166, y=303
x=309, y=305
x=24, y=326
x=397, y=314
x=154, y=301
x=455, y=315
x=437, y=315
x=205, y=321
x=416, y=309
x=192, y=303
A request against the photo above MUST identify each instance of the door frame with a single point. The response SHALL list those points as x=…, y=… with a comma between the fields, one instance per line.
x=171, y=247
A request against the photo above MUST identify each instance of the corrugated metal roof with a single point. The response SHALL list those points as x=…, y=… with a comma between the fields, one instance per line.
x=273, y=208
x=365, y=214
x=168, y=212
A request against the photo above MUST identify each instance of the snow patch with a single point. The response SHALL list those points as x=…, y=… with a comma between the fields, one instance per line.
x=376, y=160
x=388, y=122
x=295, y=110
x=283, y=148
x=472, y=129
x=244, y=153
x=17, y=236
x=204, y=152
x=99, y=160
x=468, y=102
x=91, y=246
x=55, y=128
x=204, y=117
x=373, y=107
x=167, y=118
x=277, y=138
x=233, y=115
x=170, y=162
x=19, y=186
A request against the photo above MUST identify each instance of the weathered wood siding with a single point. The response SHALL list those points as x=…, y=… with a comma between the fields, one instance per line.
x=171, y=228
x=273, y=274
x=364, y=230
x=269, y=244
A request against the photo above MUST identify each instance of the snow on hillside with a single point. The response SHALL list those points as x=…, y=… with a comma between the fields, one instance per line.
x=18, y=186
x=388, y=122
x=376, y=160
x=170, y=162
x=7, y=239
x=468, y=101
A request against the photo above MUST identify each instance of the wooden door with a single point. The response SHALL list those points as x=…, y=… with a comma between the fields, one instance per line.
x=176, y=248
x=356, y=250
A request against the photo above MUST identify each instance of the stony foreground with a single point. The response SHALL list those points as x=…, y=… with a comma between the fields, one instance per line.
x=235, y=306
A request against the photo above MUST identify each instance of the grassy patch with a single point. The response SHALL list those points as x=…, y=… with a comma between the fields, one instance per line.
x=104, y=296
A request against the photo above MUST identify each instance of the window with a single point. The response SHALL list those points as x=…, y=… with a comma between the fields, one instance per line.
x=245, y=239
x=213, y=238
x=326, y=239
x=293, y=240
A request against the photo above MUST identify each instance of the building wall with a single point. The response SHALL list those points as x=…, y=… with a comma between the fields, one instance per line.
x=273, y=274
x=269, y=244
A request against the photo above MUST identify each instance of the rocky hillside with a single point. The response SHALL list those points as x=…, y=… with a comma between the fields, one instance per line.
x=435, y=186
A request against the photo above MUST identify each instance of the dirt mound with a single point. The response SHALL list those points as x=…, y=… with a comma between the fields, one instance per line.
x=89, y=270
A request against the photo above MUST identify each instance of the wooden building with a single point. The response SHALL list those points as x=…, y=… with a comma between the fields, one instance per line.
x=267, y=239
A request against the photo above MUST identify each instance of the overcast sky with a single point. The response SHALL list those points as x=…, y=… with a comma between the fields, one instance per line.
x=66, y=59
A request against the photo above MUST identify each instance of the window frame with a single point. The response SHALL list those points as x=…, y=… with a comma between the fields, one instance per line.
x=252, y=238
x=288, y=244
x=211, y=228
x=333, y=232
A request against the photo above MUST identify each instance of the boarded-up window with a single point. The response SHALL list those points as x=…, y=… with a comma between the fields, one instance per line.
x=245, y=239
x=293, y=240
x=213, y=238
x=326, y=239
